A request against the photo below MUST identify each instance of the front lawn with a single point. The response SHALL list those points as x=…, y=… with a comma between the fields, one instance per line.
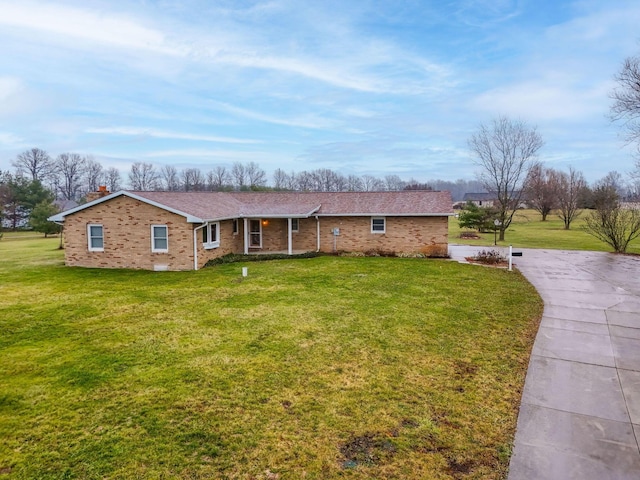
x=314, y=368
x=528, y=231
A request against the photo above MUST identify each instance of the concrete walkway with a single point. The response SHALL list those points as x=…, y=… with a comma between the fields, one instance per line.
x=580, y=411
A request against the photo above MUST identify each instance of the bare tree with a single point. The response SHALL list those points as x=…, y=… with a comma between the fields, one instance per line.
x=192, y=180
x=605, y=195
x=280, y=179
x=169, y=178
x=93, y=175
x=505, y=151
x=626, y=99
x=372, y=184
x=615, y=181
x=256, y=176
x=69, y=170
x=36, y=163
x=218, y=178
x=541, y=189
x=571, y=187
x=291, y=181
x=354, y=183
x=143, y=176
x=113, y=179
x=394, y=183
x=340, y=183
x=239, y=175
x=326, y=180
x=304, y=181
x=612, y=224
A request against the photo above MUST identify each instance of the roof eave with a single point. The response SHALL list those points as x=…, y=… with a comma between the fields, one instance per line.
x=388, y=214
x=61, y=216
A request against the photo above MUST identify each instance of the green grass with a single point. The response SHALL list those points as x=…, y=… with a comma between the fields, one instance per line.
x=313, y=368
x=528, y=231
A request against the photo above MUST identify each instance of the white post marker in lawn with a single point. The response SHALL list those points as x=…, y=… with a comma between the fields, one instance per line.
x=245, y=271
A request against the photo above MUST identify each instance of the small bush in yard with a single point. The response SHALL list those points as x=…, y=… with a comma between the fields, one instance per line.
x=237, y=257
x=489, y=257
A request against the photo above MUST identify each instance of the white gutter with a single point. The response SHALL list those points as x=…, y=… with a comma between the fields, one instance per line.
x=195, y=244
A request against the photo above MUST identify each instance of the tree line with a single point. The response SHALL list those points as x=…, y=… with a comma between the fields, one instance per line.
x=51, y=183
x=70, y=176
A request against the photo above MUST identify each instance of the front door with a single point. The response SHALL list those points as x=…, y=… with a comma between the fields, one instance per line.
x=255, y=233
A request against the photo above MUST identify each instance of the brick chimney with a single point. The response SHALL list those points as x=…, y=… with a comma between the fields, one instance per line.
x=102, y=192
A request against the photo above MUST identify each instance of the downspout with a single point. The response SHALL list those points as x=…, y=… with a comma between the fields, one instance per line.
x=317, y=234
x=245, y=232
x=195, y=245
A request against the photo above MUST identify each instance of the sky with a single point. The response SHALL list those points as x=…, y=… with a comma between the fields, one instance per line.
x=376, y=87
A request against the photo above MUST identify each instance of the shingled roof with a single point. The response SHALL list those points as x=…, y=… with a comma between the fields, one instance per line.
x=212, y=206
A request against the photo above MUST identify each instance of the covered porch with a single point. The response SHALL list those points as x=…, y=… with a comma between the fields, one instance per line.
x=288, y=235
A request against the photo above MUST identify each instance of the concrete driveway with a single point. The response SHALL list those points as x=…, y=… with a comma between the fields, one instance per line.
x=580, y=411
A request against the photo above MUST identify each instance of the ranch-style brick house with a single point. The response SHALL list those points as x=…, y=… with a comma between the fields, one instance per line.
x=184, y=230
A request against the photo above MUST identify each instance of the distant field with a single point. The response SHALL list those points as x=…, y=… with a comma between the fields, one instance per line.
x=528, y=231
x=321, y=368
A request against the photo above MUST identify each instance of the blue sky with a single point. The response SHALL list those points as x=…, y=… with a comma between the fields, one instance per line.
x=362, y=87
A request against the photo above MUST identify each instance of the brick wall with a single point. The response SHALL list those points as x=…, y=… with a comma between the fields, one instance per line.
x=127, y=237
x=428, y=235
x=229, y=243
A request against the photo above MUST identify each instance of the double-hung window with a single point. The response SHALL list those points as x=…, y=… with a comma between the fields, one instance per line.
x=95, y=237
x=211, y=235
x=378, y=225
x=159, y=238
x=295, y=224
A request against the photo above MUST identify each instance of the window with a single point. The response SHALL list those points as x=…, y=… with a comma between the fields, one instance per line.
x=95, y=236
x=378, y=225
x=159, y=238
x=211, y=235
x=235, y=226
x=295, y=224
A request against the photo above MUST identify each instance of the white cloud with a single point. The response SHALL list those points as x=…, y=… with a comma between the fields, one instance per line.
x=538, y=101
x=9, y=86
x=151, y=132
x=9, y=140
x=307, y=121
x=348, y=62
x=82, y=24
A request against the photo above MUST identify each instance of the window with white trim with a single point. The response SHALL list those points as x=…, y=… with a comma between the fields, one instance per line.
x=159, y=238
x=295, y=224
x=95, y=237
x=378, y=224
x=211, y=235
x=235, y=226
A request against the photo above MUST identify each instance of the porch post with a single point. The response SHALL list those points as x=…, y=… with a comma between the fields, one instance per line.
x=289, y=239
x=246, y=235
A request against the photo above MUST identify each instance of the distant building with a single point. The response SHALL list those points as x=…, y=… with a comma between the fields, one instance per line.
x=483, y=199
